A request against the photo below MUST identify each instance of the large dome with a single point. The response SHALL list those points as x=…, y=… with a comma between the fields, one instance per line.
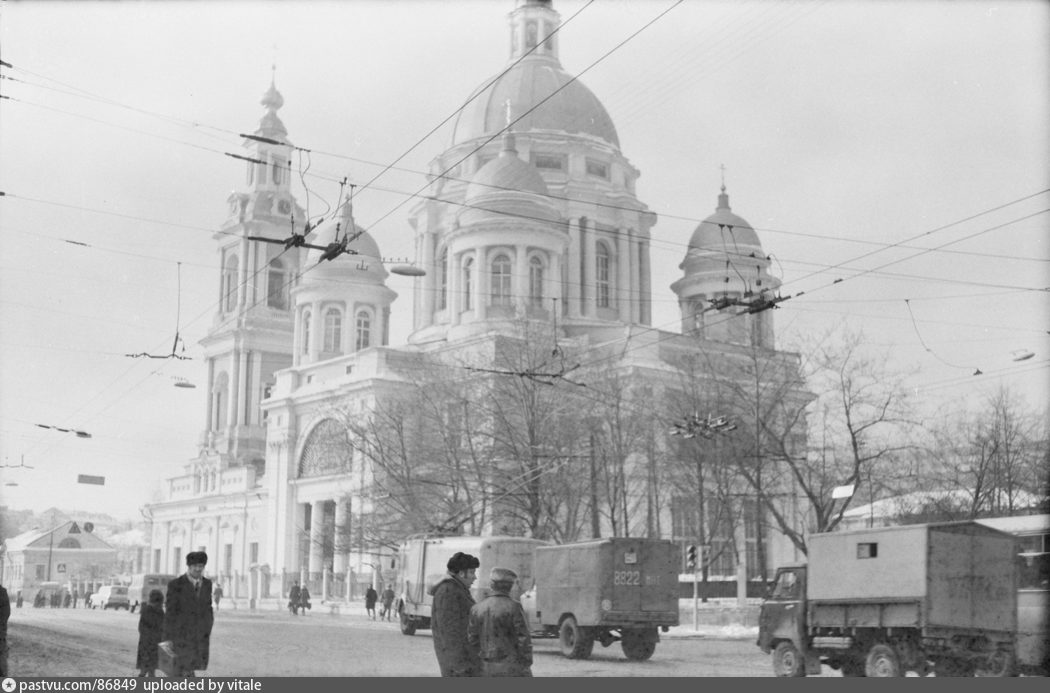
x=573, y=109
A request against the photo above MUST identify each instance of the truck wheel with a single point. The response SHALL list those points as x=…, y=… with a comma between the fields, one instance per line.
x=882, y=661
x=408, y=627
x=638, y=645
x=1000, y=663
x=576, y=642
x=787, y=660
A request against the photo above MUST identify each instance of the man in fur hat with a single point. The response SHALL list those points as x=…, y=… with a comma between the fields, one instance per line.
x=498, y=632
x=188, y=616
x=448, y=617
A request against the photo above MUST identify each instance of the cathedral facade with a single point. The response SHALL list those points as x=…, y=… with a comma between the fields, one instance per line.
x=531, y=225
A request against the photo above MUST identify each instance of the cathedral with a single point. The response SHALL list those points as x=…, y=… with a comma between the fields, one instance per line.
x=531, y=230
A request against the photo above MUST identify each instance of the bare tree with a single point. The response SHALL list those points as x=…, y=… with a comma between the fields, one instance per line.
x=866, y=426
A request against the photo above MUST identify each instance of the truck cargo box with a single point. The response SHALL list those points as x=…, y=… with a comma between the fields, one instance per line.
x=423, y=564
x=606, y=582
x=945, y=575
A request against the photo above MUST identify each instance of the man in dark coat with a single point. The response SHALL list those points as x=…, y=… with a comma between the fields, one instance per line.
x=449, y=615
x=370, y=602
x=5, y=614
x=498, y=632
x=188, y=615
x=293, y=598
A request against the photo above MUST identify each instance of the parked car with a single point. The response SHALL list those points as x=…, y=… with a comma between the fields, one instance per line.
x=110, y=597
x=143, y=583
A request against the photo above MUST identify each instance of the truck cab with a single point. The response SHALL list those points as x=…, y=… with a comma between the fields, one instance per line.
x=782, y=622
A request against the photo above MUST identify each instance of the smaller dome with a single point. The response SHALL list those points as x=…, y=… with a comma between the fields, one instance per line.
x=714, y=232
x=506, y=173
x=367, y=260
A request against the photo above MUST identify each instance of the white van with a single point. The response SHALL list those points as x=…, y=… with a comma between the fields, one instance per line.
x=110, y=597
x=144, y=583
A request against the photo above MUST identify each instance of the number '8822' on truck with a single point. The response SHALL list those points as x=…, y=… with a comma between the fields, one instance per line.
x=605, y=590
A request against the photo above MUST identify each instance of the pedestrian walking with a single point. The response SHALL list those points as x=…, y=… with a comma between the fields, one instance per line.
x=5, y=615
x=151, y=633
x=497, y=629
x=217, y=594
x=370, y=602
x=76, y=597
x=293, y=598
x=388, y=603
x=449, y=615
x=188, y=616
x=304, y=599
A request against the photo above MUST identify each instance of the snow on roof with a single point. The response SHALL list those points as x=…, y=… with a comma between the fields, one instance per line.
x=1020, y=524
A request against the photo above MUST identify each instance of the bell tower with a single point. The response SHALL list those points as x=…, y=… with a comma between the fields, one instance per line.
x=252, y=332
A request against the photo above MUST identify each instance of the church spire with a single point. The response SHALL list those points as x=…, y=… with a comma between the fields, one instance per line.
x=531, y=24
x=270, y=125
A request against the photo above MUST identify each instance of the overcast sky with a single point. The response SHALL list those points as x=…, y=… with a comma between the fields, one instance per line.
x=897, y=146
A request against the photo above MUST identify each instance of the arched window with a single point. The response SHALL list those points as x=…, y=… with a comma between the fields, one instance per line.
x=276, y=172
x=333, y=331
x=443, y=280
x=277, y=286
x=229, y=284
x=601, y=272
x=468, y=267
x=536, y=282
x=328, y=450
x=500, y=293
x=363, y=329
x=307, y=316
x=219, y=399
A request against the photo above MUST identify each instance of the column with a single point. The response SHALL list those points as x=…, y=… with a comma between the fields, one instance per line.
x=341, y=536
x=589, y=307
x=635, y=279
x=428, y=300
x=644, y=284
x=554, y=286
x=316, y=535
x=233, y=390
x=573, y=280
x=520, y=281
x=623, y=274
x=455, y=292
x=481, y=282
x=216, y=559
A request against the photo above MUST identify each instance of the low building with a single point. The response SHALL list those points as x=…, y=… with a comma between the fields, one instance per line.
x=67, y=554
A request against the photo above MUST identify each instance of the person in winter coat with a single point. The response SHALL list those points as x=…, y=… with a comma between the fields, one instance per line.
x=388, y=603
x=449, y=615
x=151, y=631
x=304, y=598
x=5, y=614
x=188, y=616
x=293, y=598
x=498, y=632
x=370, y=602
